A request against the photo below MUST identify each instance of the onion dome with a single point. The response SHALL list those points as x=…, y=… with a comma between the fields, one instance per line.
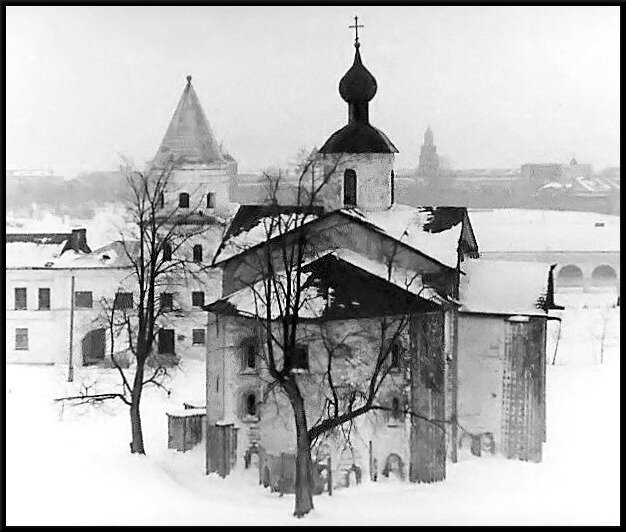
x=357, y=85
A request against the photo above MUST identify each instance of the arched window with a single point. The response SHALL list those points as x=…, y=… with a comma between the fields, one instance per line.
x=210, y=200
x=604, y=274
x=197, y=253
x=167, y=251
x=570, y=275
x=349, y=188
x=250, y=404
x=183, y=200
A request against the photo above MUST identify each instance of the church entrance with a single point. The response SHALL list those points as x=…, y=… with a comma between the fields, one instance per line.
x=93, y=346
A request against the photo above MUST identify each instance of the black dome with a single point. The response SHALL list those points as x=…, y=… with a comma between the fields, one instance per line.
x=357, y=85
x=358, y=137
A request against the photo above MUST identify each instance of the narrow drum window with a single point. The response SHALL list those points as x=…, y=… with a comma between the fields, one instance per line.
x=251, y=404
x=183, y=200
x=349, y=188
x=197, y=253
x=162, y=200
x=210, y=200
x=167, y=251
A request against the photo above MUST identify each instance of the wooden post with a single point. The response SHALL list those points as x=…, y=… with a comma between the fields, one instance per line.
x=329, y=476
x=70, y=374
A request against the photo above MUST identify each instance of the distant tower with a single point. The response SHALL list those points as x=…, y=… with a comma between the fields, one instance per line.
x=429, y=160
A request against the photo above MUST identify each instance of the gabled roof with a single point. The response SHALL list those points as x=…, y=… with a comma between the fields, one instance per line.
x=435, y=232
x=189, y=138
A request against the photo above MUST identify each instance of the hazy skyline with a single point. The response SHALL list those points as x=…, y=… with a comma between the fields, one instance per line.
x=499, y=86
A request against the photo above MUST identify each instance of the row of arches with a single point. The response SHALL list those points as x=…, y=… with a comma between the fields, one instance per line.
x=572, y=275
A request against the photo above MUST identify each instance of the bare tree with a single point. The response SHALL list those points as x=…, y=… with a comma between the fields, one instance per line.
x=155, y=246
x=283, y=297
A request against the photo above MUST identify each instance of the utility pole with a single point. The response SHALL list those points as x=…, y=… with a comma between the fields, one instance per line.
x=70, y=374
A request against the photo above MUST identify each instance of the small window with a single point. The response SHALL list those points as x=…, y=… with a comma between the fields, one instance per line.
x=395, y=355
x=349, y=188
x=210, y=200
x=44, y=299
x=83, y=300
x=300, y=357
x=250, y=355
x=183, y=200
x=197, y=253
x=393, y=187
x=167, y=251
x=167, y=301
x=162, y=200
x=20, y=299
x=396, y=412
x=250, y=404
x=198, y=337
x=21, y=339
x=166, y=341
x=197, y=299
x=123, y=300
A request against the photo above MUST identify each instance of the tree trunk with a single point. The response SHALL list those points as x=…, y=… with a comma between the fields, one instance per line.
x=304, y=479
x=136, y=445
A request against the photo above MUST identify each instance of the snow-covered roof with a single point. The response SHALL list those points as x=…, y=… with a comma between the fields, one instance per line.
x=503, y=287
x=32, y=254
x=434, y=231
x=519, y=230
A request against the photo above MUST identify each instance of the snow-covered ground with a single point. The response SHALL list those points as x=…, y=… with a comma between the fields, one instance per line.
x=73, y=466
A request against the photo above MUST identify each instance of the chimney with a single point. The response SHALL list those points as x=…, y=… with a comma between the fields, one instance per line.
x=77, y=241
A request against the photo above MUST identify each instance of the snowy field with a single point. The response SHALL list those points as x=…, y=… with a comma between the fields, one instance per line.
x=73, y=466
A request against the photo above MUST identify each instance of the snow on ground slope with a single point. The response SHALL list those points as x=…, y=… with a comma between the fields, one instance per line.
x=73, y=466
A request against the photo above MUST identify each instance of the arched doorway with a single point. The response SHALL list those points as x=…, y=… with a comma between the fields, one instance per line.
x=349, y=188
x=604, y=275
x=394, y=467
x=570, y=275
x=93, y=346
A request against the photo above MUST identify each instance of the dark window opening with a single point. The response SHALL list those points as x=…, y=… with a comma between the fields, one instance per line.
x=349, y=188
x=396, y=413
x=393, y=187
x=162, y=200
x=300, y=357
x=21, y=339
x=20, y=299
x=166, y=341
x=250, y=404
x=44, y=299
x=167, y=251
x=396, y=355
x=210, y=200
x=250, y=355
x=167, y=301
x=198, y=337
x=123, y=300
x=197, y=299
x=197, y=253
x=83, y=299
x=183, y=200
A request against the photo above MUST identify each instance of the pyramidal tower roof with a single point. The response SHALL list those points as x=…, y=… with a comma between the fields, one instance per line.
x=189, y=138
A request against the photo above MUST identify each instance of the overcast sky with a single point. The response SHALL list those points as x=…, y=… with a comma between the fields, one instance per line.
x=500, y=86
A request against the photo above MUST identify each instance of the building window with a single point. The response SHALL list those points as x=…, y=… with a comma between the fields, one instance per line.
x=197, y=253
x=250, y=407
x=183, y=200
x=300, y=357
x=395, y=355
x=162, y=200
x=249, y=353
x=21, y=339
x=393, y=187
x=167, y=301
x=44, y=299
x=166, y=341
x=210, y=200
x=349, y=188
x=198, y=337
x=83, y=300
x=123, y=300
x=396, y=412
x=197, y=299
x=167, y=251
x=20, y=299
